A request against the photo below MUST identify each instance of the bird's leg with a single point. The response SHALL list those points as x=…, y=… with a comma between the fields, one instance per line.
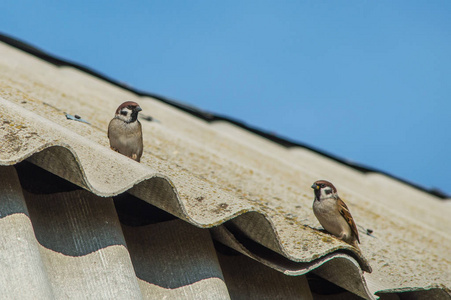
x=343, y=236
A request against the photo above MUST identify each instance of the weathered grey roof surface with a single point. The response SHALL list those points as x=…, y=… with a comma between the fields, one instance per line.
x=209, y=173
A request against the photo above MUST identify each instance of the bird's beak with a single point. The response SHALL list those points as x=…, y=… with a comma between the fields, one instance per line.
x=138, y=109
x=315, y=186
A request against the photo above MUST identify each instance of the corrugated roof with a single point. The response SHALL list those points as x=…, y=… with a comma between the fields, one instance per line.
x=210, y=174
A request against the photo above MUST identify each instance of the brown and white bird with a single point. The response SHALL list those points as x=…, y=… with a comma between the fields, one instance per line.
x=333, y=214
x=125, y=132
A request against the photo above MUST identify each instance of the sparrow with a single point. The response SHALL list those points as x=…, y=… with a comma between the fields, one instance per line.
x=333, y=214
x=125, y=132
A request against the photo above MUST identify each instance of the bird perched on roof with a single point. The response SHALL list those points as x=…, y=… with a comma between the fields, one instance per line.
x=125, y=132
x=333, y=214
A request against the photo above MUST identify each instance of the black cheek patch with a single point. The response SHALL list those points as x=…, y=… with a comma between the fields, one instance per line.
x=123, y=112
x=328, y=192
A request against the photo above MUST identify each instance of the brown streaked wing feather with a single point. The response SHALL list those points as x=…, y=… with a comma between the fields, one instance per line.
x=109, y=128
x=344, y=211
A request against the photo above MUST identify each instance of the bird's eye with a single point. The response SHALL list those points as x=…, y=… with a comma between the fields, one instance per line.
x=322, y=185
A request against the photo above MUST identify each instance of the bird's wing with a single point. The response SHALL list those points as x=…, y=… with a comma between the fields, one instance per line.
x=344, y=211
x=109, y=125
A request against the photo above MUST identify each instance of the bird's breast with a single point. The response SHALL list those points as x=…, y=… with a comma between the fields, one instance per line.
x=126, y=138
x=328, y=214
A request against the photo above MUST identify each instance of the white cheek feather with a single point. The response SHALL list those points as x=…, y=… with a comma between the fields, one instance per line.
x=327, y=193
x=124, y=117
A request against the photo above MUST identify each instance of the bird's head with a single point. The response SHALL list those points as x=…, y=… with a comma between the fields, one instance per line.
x=324, y=189
x=128, y=111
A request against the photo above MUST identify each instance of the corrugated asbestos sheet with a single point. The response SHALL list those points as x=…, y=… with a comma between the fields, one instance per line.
x=212, y=211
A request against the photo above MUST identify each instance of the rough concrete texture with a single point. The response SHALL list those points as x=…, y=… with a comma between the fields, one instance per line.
x=208, y=174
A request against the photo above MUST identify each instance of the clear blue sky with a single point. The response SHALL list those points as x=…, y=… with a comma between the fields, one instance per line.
x=369, y=81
